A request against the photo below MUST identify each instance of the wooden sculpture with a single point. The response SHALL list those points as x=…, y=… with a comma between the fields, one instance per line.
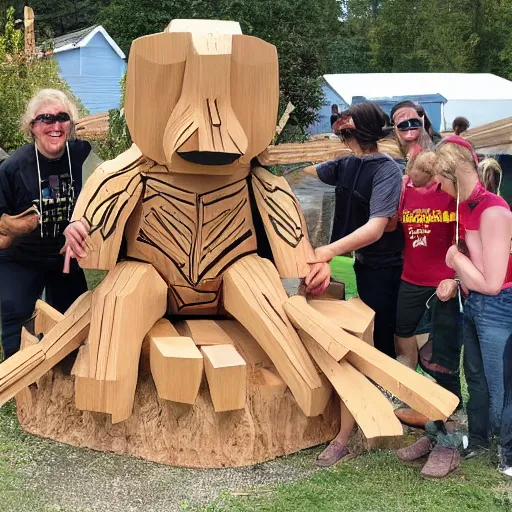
x=238, y=372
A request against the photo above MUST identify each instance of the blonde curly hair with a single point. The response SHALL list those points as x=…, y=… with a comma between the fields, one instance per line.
x=47, y=97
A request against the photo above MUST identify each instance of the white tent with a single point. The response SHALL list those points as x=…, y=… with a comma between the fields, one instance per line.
x=481, y=97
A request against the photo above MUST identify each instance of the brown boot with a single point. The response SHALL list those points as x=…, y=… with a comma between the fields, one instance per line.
x=441, y=461
x=335, y=452
x=420, y=448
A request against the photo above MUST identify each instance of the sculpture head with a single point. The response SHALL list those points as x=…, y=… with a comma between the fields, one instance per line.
x=201, y=92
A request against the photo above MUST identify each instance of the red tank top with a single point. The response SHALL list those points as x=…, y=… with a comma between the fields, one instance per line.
x=427, y=215
x=470, y=213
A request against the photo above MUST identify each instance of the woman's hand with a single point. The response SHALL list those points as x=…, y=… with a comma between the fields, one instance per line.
x=318, y=279
x=447, y=289
x=323, y=254
x=451, y=255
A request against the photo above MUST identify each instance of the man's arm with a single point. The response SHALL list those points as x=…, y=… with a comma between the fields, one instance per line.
x=495, y=233
x=328, y=172
x=361, y=237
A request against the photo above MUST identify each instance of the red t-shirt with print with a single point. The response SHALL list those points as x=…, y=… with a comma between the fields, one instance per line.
x=470, y=213
x=427, y=215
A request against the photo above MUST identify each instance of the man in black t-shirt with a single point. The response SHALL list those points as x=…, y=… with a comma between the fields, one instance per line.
x=38, y=186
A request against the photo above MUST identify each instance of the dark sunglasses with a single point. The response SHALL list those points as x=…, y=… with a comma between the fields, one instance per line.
x=61, y=117
x=409, y=124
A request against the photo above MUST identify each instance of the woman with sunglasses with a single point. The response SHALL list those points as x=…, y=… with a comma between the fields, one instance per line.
x=38, y=186
x=413, y=128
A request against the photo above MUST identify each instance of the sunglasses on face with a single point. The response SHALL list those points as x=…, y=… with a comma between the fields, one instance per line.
x=409, y=124
x=61, y=117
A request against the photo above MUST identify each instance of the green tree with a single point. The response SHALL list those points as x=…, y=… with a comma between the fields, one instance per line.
x=19, y=81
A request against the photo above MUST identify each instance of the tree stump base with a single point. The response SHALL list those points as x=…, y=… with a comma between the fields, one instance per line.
x=270, y=425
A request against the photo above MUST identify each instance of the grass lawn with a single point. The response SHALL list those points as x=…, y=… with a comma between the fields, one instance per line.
x=379, y=482
x=343, y=269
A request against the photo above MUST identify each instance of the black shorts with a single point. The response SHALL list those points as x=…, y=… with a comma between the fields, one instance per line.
x=412, y=300
x=444, y=326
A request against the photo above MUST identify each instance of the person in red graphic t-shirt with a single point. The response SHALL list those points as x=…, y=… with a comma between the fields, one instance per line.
x=427, y=215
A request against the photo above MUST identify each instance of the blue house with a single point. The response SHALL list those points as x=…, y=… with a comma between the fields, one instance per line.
x=92, y=64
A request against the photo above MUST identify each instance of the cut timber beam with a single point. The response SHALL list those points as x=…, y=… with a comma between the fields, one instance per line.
x=207, y=332
x=46, y=317
x=226, y=372
x=412, y=388
x=31, y=363
x=370, y=408
x=254, y=295
x=176, y=363
x=352, y=315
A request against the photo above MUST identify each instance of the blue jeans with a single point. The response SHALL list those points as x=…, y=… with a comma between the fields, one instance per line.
x=487, y=335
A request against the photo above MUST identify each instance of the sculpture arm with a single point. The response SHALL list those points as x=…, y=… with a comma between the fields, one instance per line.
x=286, y=228
x=105, y=204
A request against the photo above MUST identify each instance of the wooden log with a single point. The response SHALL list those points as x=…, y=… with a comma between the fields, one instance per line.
x=270, y=425
x=254, y=295
x=30, y=37
x=353, y=316
x=226, y=372
x=176, y=363
x=412, y=388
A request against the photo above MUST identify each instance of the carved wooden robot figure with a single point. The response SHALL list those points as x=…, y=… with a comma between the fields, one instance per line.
x=171, y=220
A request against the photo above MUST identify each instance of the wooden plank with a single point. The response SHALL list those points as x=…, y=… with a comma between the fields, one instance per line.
x=207, y=332
x=226, y=372
x=317, y=151
x=128, y=303
x=248, y=347
x=325, y=332
x=269, y=383
x=370, y=408
x=176, y=363
x=60, y=341
x=412, y=388
x=46, y=317
x=284, y=224
x=353, y=316
x=106, y=201
x=254, y=295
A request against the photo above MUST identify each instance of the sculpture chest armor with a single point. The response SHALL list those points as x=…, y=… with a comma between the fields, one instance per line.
x=191, y=237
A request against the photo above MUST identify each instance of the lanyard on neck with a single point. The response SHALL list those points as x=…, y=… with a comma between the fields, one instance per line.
x=40, y=181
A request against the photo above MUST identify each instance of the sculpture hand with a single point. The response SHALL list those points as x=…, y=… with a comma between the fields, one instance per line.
x=76, y=242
